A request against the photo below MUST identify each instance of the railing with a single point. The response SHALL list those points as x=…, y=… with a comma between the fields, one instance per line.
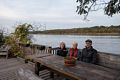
x=37, y=49
x=34, y=49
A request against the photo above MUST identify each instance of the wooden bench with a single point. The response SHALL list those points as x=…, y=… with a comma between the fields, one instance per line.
x=26, y=74
x=4, y=51
x=109, y=60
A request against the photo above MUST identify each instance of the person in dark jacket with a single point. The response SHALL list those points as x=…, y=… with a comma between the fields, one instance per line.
x=89, y=54
x=62, y=51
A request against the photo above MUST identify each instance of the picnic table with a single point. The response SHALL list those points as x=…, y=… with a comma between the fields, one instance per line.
x=81, y=71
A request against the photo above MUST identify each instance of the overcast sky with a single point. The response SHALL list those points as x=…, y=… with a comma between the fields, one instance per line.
x=53, y=13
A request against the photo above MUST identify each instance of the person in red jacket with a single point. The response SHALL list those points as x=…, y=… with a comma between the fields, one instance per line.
x=74, y=51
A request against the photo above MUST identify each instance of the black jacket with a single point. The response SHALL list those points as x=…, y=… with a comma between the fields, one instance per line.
x=89, y=55
x=62, y=52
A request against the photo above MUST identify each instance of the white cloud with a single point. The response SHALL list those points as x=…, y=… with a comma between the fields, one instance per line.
x=51, y=12
x=7, y=13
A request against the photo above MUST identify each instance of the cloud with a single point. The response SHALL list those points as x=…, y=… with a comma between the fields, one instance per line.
x=36, y=10
x=57, y=13
x=7, y=13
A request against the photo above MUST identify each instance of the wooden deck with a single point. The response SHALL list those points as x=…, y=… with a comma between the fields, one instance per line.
x=9, y=67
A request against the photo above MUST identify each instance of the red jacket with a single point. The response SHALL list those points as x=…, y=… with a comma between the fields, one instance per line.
x=73, y=52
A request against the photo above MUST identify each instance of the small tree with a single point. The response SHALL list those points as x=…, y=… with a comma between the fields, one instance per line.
x=21, y=35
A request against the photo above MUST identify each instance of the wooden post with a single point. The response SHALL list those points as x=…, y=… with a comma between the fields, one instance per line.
x=37, y=68
x=51, y=74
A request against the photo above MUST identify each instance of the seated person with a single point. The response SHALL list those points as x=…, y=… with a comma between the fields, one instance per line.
x=89, y=54
x=74, y=51
x=62, y=51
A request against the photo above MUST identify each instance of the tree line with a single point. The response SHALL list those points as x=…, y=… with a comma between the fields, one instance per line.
x=113, y=30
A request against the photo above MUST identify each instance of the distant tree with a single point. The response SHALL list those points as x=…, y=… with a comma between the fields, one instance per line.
x=110, y=7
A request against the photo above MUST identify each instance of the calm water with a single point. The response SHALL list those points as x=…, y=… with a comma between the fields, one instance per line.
x=110, y=44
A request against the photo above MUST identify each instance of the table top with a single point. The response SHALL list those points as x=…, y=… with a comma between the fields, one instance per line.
x=37, y=56
x=80, y=71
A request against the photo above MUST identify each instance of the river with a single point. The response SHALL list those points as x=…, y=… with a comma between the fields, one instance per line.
x=109, y=44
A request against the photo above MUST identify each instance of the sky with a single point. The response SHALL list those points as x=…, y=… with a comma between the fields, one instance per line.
x=55, y=14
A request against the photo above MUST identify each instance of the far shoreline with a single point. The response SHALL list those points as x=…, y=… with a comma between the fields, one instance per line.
x=90, y=31
x=82, y=34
